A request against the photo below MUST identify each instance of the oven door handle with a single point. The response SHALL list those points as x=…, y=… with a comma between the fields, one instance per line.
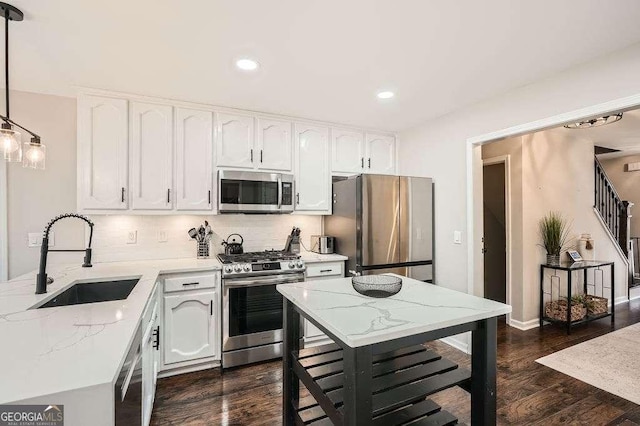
x=280, y=279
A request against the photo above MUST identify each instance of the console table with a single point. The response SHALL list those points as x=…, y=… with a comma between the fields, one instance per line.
x=569, y=267
x=350, y=381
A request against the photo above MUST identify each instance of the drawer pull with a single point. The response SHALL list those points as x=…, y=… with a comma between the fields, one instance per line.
x=325, y=270
x=156, y=334
x=186, y=284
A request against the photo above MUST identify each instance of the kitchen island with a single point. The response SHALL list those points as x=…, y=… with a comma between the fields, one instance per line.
x=377, y=371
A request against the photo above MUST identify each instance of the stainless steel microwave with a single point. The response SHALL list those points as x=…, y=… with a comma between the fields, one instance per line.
x=254, y=192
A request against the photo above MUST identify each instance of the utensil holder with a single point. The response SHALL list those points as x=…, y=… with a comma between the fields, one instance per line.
x=203, y=249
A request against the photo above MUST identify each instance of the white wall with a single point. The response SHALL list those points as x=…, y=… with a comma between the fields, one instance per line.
x=438, y=147
x=558, y=176
x=35, y=196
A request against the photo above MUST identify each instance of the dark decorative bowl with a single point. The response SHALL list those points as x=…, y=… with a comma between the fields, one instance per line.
x=377, y=285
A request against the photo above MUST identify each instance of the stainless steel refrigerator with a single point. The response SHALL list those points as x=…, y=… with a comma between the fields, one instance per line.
x=384, y=224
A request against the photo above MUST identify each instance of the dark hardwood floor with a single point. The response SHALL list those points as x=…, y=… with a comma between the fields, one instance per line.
x=528, y=393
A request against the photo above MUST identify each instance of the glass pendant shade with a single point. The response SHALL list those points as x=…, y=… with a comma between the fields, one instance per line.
x=11, y=145
x=34, y=155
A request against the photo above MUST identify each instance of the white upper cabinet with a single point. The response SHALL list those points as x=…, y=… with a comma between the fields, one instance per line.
x=312, y=174
x=234, y=141
x=194, y=159
x=347, y=151
x=102, y=153
x=381, y=154
x=274, y=145
x=151, y=156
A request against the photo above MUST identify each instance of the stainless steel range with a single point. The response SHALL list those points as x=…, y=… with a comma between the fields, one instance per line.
x=251, y=305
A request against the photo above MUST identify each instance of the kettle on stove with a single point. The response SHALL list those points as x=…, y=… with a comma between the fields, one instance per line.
x=231, y=246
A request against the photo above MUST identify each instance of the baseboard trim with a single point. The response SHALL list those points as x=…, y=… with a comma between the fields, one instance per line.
x=173, y=371
x=526, y=325
x=458, y=344
x=622, y=299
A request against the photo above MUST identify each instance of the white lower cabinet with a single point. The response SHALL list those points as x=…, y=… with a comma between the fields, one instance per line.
x=151, y=320
x=317, y=272
x=190, y=319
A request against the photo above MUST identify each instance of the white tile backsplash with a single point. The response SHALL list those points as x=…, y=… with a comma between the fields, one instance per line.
x=260, y=232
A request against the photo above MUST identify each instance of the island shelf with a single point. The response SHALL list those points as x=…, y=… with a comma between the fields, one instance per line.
x=377, y=371
x=401, y=380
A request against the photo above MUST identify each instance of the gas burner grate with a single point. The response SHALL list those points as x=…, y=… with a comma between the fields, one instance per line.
x=258, y=256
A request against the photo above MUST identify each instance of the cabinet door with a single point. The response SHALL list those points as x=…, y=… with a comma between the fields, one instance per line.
x=102, y=153
x=151, y=156
x=313, y=180
x=234, y=141
x=274, y=145
x=189, y=331
x=148, y=380
x=347, y=151
x=381, y=154
x=194, y=159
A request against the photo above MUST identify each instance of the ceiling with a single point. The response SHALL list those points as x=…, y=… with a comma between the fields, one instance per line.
x=623, y=135
x=319, y=59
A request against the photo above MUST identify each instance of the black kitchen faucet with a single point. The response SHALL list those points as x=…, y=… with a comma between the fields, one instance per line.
x=41, y=278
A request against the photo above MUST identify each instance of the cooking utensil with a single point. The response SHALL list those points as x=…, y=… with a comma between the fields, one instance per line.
x=192, y=233
x=231, y=246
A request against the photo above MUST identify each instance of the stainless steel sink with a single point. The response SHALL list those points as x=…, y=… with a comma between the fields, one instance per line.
x=93, y=292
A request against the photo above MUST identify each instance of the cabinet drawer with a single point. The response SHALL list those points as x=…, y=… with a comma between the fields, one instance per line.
x=190, y=282
x=325, y=269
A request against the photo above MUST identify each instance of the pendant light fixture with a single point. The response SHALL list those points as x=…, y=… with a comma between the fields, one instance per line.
x=595, y=122
x=10, y=141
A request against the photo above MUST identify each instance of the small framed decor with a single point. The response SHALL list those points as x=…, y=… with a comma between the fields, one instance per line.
x=574, y=255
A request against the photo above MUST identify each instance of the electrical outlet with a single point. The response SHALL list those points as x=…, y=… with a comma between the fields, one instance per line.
x=35, y=239
x=132, y=237
x=162, y=236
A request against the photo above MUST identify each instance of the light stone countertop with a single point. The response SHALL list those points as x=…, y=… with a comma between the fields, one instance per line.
x=51, y=350
x=310, y=257
x=359, y=320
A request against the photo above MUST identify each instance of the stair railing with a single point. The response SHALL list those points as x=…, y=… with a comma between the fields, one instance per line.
x=614, y=211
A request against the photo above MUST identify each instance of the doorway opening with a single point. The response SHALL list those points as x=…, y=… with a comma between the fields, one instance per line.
x=494, y=182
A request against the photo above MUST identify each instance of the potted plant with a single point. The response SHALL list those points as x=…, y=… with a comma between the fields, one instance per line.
x=554, y=231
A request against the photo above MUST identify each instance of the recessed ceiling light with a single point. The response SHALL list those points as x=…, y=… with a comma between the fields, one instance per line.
x=386, y=94
x=246, y=64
